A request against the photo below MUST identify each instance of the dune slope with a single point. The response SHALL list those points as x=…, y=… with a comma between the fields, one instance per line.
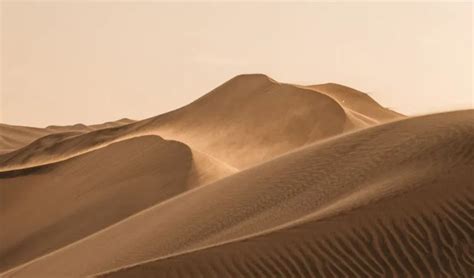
x=353, y=190
x=357, y=102
x=257, y=178
x=43, y=206
x=245, y=121
x=395, y=235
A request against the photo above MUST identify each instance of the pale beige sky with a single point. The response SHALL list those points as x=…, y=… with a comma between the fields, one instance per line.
x=90, y=62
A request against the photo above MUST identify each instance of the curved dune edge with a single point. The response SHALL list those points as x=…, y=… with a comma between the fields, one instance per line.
x=137, y=173
x=418, y=151
x=245, y=121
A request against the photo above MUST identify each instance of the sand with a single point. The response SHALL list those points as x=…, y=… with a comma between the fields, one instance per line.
x=14, y=137
x=244, y=122
x=255, y=179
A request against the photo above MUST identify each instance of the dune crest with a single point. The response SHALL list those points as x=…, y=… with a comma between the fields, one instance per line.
x=245, y=121
x=89, y=189
x=255, y=179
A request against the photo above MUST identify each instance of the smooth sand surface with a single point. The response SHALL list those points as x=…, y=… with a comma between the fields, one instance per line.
x=90, y=189
x=255, y=179
x=412, y=218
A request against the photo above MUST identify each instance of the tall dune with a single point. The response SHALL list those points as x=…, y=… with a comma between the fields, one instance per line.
x=385, y=170
x=257, y=178
x=245, y=121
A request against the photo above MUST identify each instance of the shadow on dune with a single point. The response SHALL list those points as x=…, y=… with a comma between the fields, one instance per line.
x=255, y=179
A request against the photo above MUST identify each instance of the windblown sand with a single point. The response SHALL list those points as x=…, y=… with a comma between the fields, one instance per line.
x=255, y=179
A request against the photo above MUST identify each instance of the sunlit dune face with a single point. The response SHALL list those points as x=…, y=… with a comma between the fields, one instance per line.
x=64, y=63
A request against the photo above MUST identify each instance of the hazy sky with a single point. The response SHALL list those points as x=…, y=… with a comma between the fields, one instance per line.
x=64, y=63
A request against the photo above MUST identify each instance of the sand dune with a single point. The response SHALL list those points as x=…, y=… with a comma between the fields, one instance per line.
x=255, y=179
x=399, y=159
x=243, y=122
x=14, y=137
x=416, y=221
x=393, y=236
x=90, y=189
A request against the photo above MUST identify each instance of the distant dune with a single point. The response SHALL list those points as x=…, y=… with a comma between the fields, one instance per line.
x=14, y=137
x=255, y=179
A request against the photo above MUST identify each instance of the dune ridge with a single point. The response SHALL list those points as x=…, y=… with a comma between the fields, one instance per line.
x=282, y=191
x=255, y=179
x=271, y=118
x=146, y=169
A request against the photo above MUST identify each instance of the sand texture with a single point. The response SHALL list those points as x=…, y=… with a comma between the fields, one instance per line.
x=255, y=179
